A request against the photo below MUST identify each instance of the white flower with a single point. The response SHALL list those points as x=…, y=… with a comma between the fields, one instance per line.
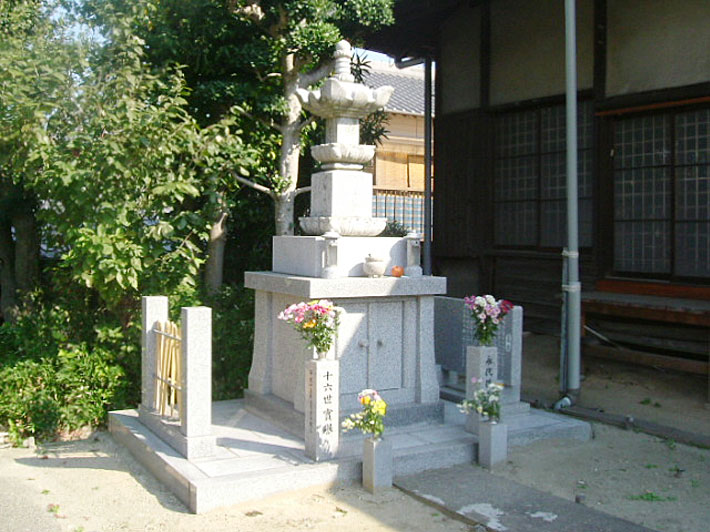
x=490, y=299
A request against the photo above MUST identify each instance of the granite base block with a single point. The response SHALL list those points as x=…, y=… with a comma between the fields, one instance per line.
x=377, y=464
x=189, y=446
x=492, y=443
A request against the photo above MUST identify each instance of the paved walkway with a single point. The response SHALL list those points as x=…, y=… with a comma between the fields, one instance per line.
x=501, y=504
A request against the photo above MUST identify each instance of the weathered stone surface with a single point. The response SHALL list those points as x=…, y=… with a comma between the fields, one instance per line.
x=305, y=255
x=377, y=464
x=322, y=409
x=492, y=443
x=154, y=310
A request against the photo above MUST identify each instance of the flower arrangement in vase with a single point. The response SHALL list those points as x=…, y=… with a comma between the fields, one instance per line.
x=487, y=314
x=485, y=401
x=317, y=321
x=371, y=420
x=377, y=457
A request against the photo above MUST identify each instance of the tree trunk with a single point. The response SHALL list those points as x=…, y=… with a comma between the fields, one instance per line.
x=26, y=248
x=283, y=213
x=8, y=285
x=214, y=267
x=290, y=149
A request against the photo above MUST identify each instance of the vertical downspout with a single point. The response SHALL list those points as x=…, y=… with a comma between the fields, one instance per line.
x=427, y=165
x=572, y=287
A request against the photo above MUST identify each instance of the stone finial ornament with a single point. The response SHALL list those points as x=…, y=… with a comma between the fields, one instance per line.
x=341, y=196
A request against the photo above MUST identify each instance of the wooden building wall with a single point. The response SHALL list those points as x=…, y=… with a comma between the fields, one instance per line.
x=506, y=55
x=399, y=159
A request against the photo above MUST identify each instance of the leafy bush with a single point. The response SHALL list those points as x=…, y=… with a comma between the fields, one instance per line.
x=63, y=365
x=233, y=339
x=394, y=228
x=64, y=392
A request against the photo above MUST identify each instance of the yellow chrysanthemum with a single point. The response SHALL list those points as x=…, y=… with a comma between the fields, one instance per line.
x=309, y=324
x=380, y=407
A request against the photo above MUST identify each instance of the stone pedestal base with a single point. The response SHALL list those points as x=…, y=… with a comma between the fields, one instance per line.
x=473, y=421
x=376, y=464
x=306, y=255
x=197, y=446
x=384, y=341
x=492, y=443
x=508, y=410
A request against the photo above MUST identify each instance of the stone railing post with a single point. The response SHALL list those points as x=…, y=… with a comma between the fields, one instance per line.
x=192, y=435
x=155, y=310
x=196, y=408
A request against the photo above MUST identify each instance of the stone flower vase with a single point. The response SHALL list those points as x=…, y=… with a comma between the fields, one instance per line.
x=321, y=355
x=492, y=442
x=376, y=464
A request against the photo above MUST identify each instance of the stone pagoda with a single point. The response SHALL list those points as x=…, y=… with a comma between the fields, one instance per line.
x=385, y=340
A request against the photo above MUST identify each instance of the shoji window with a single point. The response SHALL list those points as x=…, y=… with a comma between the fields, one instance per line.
x=530, y=177
x=662, y=194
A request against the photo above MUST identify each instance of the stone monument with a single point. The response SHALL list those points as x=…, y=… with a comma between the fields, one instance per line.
x=385, y=340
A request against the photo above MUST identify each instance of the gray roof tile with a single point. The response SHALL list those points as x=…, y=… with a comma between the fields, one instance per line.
x=408, y=94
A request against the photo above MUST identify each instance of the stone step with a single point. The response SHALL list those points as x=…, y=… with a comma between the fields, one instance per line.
x=255, y=458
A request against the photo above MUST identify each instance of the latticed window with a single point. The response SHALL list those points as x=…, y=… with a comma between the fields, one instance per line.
x=662, y=194
x=530, y=177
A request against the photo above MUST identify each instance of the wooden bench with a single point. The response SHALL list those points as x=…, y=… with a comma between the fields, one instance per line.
x=654, y=309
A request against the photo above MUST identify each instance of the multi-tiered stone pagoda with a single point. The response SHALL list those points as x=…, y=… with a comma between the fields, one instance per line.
x=385, y=340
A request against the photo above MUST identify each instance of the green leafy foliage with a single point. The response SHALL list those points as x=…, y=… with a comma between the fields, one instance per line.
x=394, y=228
x=233, y=337
x=126, y=183
x=246, y=58
x=126, y=178
x=50, y=385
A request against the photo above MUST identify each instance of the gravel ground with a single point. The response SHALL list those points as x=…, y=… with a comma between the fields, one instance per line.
x=95, y=485
x=650, y=481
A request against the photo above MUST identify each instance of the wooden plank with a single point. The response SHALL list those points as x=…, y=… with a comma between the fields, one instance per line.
x=646, y=359
x=655, y=106
x=636, y=338
x=701, y=319
x=651, y=329
x=654, y=289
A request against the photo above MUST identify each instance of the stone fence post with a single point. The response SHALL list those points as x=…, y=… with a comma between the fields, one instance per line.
x=154, y=311
x=192, y=435
x=196, y=414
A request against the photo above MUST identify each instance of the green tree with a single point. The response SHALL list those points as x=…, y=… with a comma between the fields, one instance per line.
x=250, y=57
x=98, y=152
x=19, y=255
x=121, y=177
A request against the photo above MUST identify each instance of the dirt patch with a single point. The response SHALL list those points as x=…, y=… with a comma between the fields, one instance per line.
x=650, y=481
x=95, y=485
x=666, y=397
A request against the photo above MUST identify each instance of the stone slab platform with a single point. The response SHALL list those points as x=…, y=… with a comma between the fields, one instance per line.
x=502, y=504
x=255, y=458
